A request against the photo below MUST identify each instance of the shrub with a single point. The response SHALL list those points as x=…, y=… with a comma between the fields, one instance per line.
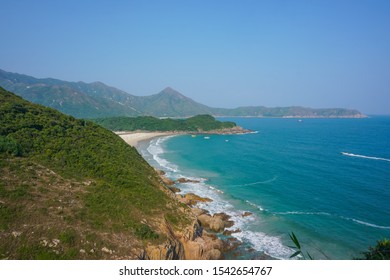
x=9, y=146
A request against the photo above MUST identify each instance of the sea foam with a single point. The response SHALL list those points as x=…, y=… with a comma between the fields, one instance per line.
x=366, y=157
x=156, y=150
x=258, y=182
x=260, y=241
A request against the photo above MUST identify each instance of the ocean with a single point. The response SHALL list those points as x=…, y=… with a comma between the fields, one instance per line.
x=326, y=180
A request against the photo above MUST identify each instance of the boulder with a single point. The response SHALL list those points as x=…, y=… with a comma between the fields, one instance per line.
x=199, y=211
x=192, y=199
x=217, y=222
x=185, y=180
x=231, y=244
x=214, y=254
x=203, y=248
x=225, y=218
x=246, y=214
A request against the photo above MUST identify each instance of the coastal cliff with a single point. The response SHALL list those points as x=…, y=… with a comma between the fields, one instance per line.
x=190, y=243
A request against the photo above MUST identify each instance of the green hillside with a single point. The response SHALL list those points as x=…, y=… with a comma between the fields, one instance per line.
x=70, y=189
x=77, y=99
x=193, y=124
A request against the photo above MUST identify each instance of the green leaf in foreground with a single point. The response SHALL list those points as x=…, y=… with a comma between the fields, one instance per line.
x=297, y=246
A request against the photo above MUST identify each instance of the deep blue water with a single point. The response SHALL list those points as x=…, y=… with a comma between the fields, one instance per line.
x=292, y=176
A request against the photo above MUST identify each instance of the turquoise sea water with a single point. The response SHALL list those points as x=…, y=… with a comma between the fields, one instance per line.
x=292, y=176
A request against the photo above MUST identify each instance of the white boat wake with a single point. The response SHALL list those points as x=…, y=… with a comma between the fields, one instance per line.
x=367, y=157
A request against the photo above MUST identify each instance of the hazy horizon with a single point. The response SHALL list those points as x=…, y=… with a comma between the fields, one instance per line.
x=317, y=54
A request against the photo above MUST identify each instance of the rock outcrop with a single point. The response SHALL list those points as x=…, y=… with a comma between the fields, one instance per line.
x=217, y=223
x=187, y=244
x=246, y=214
x=192, y=199
x=194, y=242
x=185, y=180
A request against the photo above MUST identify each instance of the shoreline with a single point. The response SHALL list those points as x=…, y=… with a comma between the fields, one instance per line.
x=221, y=225
x=135, y=137
x=211, y=224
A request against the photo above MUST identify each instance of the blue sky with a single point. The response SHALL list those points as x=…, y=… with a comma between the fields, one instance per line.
x=220, y=53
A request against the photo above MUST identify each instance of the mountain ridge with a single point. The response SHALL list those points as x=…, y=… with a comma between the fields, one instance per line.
x=97, y=100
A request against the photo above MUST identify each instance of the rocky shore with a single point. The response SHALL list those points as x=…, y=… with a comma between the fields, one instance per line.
x=208, y=237
x=199, y=241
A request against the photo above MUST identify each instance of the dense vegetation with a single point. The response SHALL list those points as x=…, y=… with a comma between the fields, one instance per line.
x=75, y=185
x=97, y=100
x=194, y=124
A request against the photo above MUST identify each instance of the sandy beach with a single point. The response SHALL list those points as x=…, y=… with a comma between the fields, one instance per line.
x=133, y=138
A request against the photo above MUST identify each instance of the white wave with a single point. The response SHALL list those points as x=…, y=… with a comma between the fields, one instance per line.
x=366, y=157
x=271, y=245
x=302, y=213
x=257, y=183
x=260, y=241
x=255, y=205
x=328, y=214
x=156, y=150
x=365, y=223
x=215, y=189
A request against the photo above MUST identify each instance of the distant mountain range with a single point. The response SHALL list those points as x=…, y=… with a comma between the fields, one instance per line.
x=97, y=100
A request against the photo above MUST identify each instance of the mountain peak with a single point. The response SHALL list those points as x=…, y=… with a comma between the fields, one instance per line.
x=170, y=91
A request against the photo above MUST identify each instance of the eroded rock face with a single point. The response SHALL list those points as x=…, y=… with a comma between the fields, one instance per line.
x=203, y=248
x=199, y=211
x=171, y=250
x=188, y=244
